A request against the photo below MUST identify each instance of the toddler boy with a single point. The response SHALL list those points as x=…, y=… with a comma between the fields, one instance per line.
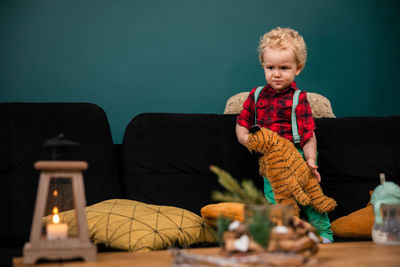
x=283, y=53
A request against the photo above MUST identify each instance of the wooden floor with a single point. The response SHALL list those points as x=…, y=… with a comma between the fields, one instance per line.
x=352, y=254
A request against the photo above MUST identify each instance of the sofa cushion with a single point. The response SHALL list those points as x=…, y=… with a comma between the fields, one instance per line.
x=24, y=127
x=134, y=226
x=352, y=152
x=166, y=158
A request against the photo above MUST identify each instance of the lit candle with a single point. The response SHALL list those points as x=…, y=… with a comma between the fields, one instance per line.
x=56, y=230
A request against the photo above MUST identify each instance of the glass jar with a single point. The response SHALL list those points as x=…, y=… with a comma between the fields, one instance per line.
x=388, y=231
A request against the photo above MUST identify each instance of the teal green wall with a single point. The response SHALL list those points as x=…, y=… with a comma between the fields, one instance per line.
x=135, y=56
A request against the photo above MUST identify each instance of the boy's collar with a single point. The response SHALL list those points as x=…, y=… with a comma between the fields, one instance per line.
x=292, y=86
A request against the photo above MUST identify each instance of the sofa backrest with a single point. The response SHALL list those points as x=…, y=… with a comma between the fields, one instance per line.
x=24, y=128
x=166, y=158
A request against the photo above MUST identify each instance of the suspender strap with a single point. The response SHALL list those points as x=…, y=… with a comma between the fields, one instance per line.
x=256, y=93
x=295, y=131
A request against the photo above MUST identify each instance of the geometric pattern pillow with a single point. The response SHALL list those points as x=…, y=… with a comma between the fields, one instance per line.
x=135, y=226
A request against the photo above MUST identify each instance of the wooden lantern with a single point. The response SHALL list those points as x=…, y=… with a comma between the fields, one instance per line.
x=56, y=244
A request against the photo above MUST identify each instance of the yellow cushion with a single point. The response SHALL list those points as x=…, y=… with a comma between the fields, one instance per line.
x=232, y=210
x=355, y=225
x=135, y=226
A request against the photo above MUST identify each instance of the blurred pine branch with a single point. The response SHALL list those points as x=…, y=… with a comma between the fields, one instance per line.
x=246, y=192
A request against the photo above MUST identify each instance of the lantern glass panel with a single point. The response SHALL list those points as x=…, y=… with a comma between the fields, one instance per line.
x=60, y=199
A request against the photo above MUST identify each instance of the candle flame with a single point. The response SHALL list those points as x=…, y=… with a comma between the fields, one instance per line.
x=56, y=218
x=55, y=210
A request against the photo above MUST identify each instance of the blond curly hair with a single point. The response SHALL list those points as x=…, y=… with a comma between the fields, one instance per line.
x=284, y=38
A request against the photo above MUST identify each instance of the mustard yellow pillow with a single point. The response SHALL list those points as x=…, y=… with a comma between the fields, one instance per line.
x=357, y=224
x=135, y=226
x=232, y=210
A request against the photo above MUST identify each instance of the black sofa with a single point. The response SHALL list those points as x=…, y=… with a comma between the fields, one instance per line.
x=164, y=159
x=24, y=128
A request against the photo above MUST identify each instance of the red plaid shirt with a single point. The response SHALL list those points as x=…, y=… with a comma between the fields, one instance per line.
x=274, y=111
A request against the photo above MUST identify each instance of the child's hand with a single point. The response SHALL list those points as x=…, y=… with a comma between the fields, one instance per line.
x=314, y=167
x=244, y=139
x=242, y=134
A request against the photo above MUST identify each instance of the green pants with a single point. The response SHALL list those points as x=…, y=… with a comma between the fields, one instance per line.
x=319, y=220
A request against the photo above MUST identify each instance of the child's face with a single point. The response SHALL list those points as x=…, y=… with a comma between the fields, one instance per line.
x=280, y=67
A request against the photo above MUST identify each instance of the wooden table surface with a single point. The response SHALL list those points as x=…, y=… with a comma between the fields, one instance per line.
x=354, y=254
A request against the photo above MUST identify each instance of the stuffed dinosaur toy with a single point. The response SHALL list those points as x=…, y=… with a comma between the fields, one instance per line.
x=289, y=175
